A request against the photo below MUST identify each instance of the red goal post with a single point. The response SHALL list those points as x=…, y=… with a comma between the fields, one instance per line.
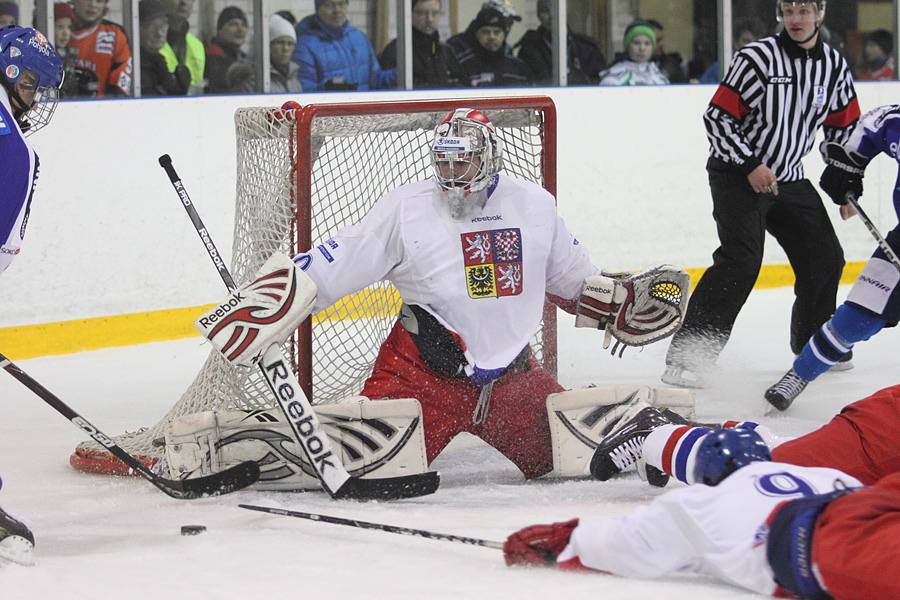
x=301, y=175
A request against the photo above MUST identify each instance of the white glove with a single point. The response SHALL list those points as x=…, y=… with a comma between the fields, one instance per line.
x=265, y=310
x=636, y=310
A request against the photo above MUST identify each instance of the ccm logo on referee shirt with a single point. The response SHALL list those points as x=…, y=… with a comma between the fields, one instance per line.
x=780, y=79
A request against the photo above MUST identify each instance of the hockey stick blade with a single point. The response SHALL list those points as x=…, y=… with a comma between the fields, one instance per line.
x=443, y=537
x=229, y=480
x=338, y=485
x=389, y=488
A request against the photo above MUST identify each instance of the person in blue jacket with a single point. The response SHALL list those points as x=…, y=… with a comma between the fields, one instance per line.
x=334, y=56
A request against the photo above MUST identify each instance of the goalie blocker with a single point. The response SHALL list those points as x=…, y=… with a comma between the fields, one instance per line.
x=385, y=438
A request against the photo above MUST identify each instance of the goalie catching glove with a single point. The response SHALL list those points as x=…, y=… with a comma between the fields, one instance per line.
x=636, y=309
x=843, y=174
x=267, y=310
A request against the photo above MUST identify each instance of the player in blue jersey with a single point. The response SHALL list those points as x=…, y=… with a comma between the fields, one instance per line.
x=30, y=76
x=874, y=301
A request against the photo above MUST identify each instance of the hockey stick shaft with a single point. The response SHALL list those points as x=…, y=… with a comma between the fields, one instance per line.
x=227, y=481
x=444, y=537
x=882, y=243
x=165, y=161
x=296, y=406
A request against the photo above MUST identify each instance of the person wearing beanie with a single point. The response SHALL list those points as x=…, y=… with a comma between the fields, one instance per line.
x=877, y=55
x=335, y=56
x=104, y=68
x=156, y=80
x=535, y=49
x=283, y=74
x=485, y=63
x=183, y=48
x=63, y=17
x=9, y=13
x=434, y=63
x=227, y=65
x=639, y=43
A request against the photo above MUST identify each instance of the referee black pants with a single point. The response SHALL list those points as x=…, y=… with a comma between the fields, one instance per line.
x=798, y=221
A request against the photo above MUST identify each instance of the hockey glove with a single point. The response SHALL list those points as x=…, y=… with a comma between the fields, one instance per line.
x=259, y=313
x=538, y=545
x=637, y=310
x=843, y=174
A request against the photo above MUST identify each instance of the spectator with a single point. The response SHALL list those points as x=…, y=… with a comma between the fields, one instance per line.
x=486, y=63
x=637, y=68
x=227, y=66
x=334, y=56
x=282, y=73
x=63, y=17
x=156, y=80
x=878, y=63
x=182, y=47
x=461, y=43
x=585, y=60
x=745, y=31
x=434, y=63
x=9, y=13
x=104, y=58
x=670, y=63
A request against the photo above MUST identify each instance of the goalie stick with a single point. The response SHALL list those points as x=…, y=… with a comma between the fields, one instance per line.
x=444, y=537
x=229, y=480
x=296, y=406
x=882, y=243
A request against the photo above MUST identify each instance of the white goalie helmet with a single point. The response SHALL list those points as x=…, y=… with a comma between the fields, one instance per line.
x=819, y=7
x=465, y=154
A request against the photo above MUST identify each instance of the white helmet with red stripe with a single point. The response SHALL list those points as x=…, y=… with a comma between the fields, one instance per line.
x=466, y=153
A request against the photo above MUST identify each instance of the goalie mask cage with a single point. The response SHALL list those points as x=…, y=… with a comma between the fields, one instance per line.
x=303, y=174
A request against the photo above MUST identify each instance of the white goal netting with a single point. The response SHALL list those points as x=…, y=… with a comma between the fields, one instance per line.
x=302, y=175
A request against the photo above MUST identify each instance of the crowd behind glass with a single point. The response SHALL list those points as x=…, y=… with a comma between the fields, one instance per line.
x=114, y=48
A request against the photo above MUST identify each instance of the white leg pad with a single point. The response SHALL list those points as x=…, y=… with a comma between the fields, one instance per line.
x=580, y=419
x=375, y=439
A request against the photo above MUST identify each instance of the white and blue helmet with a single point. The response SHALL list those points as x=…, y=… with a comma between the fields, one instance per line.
x=24, y=50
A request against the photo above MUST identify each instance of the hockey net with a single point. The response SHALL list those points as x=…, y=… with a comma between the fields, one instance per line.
x=303, y=174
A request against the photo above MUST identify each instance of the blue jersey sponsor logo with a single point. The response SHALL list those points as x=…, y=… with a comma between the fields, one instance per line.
x=5, y=128
x=303, y=261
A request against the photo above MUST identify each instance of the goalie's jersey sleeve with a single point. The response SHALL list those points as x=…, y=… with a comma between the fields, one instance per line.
x=483, y=277
x=773, y=100
x=878, y=131
x=716, y=531
x=19, y=166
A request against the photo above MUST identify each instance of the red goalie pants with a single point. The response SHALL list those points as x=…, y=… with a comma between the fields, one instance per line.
x=863, y=440
x=854, y=545
x=516, y=423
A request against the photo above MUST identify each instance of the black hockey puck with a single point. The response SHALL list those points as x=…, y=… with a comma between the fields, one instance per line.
x=192, y=529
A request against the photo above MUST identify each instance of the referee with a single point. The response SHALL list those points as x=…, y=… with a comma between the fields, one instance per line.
x=761, y=121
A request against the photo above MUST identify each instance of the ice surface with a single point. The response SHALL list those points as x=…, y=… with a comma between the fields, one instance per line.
x=119, y=538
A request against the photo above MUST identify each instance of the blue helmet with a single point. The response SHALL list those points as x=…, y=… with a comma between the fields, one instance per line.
x=25, y=50
x=724, y=451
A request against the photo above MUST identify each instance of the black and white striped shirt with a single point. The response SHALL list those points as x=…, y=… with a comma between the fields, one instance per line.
x=772, y=101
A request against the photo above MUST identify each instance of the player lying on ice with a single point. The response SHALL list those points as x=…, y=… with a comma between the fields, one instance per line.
x=874, y=300
x=803, y=525
x=473, y=254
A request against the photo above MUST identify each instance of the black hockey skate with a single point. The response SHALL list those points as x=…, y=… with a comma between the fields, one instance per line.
x=782, y=394
x=16, y=541
x=625, y=447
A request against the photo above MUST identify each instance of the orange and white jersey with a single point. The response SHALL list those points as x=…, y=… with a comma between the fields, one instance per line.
x=104, y=65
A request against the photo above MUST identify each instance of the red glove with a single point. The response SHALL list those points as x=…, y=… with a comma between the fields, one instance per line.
x=538, y=544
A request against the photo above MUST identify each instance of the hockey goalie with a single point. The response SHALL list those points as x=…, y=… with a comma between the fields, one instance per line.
x=473, y=254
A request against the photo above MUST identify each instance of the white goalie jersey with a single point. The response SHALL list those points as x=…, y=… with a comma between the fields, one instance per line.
x=483, y=277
